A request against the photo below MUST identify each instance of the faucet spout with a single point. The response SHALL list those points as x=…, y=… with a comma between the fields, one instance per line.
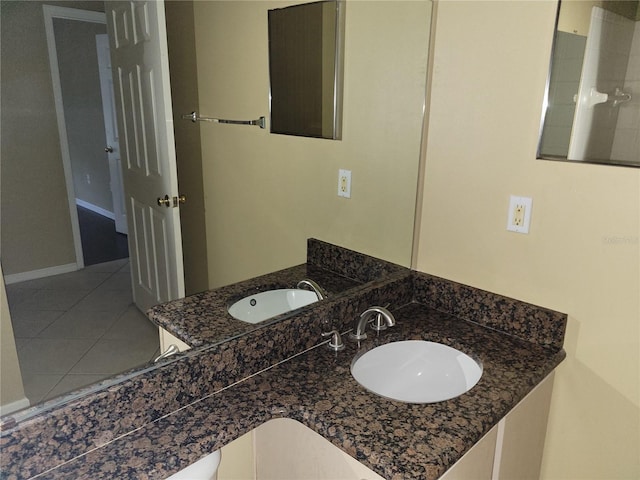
x=381, y=317
x=317, y=289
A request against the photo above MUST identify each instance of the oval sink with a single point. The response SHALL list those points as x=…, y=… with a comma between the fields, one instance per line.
x=416, y=371
x=264, y=305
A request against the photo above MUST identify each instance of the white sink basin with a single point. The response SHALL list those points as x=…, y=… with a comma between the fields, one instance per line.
x=416, y=371
x=264, y=305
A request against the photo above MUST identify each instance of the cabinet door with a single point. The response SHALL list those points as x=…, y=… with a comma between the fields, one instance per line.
x=513, y=448
x=477, y=463
x=287, y=450
x=521, y=436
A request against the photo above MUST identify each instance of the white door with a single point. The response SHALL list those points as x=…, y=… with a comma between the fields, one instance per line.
x=112, y=148
x=140, y=66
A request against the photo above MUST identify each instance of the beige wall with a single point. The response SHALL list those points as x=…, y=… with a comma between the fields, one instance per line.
x=33, y=193
x=575, y=16
x=80, y=84
x=184, y=99
x=266, y=194
x=582, y=254
x=12, y=391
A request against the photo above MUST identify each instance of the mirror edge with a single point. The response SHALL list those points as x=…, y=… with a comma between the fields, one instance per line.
x=547, y=87
x=338, y=74
x=338, y=70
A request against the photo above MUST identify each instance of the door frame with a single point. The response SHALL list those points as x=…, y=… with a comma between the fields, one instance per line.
x=50, y=12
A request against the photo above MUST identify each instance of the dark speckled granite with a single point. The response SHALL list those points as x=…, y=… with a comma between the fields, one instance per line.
x=202, y=319
x=397, y=440
x=349, y=263
x=510, y=316
x=160, y=421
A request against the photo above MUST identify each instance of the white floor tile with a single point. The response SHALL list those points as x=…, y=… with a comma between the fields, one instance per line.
x=71, y=382
x=109, y=267
x=115, y=356
x=29, y=323
x=37, y=386
x=81, y=280
x=102, y=300
x=118, y=281
x=79, y=324
x=53, y=299
x=132, y=324
x=53, y=355
x=78, y=328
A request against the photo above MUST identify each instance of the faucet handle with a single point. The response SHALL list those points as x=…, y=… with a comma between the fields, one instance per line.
x=377, y=323
x=380, y=317
x=335, y=343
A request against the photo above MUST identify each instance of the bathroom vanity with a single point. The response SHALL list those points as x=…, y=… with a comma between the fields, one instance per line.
x=160, y=421
x=512, y=449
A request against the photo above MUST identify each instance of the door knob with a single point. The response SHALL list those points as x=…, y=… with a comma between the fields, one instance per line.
x=166, y=201
x=181, y=199
x=169, y=201
x=108, y=149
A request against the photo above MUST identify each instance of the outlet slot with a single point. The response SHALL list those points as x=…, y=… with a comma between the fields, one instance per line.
x=344, y=183
x=519, y=214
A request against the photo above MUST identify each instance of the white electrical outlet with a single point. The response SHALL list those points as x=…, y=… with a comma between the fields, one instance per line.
x=519, y=214
x=344, y=183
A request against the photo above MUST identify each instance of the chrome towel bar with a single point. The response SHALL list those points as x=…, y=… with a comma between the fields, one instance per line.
x=194, y=117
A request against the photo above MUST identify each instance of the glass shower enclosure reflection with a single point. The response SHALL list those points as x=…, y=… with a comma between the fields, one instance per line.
x=593, y=106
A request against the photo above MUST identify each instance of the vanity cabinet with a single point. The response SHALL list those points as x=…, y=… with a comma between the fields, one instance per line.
x=286, y=449
x=477, y=463
x=167, y=339
x=521, y=435
x=514, y=447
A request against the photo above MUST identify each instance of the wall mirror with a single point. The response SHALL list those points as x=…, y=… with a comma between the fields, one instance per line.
x=386, y=32
x=305, y=69
x=592, y=104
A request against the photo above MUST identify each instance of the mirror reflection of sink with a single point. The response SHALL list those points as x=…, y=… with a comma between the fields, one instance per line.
x=416, y=371
x=264, y=305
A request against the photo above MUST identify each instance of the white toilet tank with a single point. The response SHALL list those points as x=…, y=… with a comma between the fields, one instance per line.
x=204, y=469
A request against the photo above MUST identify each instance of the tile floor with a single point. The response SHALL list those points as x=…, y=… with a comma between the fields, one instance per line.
x=77, y=328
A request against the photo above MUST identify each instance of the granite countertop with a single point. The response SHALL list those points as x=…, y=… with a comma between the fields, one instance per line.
x=159, y=421
x=203, y=319
x=394, y=439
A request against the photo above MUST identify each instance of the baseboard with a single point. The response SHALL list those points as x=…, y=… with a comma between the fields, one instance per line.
x=41, y=273
x=14, y=406
x=95, y=209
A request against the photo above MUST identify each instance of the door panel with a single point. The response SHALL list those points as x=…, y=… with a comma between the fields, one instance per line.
x=139, y=56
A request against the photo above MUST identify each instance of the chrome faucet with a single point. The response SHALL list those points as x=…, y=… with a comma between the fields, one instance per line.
x=381, y=318
x=318, y=290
